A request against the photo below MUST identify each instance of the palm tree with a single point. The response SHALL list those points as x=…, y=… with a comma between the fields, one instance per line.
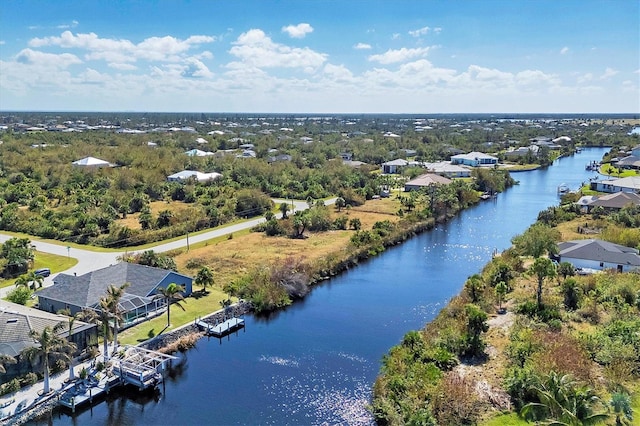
x=284, y=208
x=204, y=277
x=4, y=360
x=474, y=286
x=542, y=268
x=171, y=293
x=621, y=404
x=71, y=319
x=114, y=294
x=50, y=345
x=501, y=290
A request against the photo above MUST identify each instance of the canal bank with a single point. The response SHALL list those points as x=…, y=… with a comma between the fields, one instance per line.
x=315, y=362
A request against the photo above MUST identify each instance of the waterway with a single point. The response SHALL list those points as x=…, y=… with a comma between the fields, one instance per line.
x=315, y=362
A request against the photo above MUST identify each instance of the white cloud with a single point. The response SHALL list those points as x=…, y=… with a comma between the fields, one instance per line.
x=437, y=30
x=338, y=73
x=255, y=49
x=608, y=73
x=399, y=55
x=121, y=66
x=564, y=50
x=166, y=48
x=420, y=32
x=395, y=36
x=584, y=78
x=195, y=68
x=362, y=46
x=37, y=58
x=73, y=24
x=298, y=31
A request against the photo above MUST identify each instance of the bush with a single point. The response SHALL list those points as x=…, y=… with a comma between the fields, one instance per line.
x=10, y=387
x=30, y=378
x=456, y=401
x=19, y=295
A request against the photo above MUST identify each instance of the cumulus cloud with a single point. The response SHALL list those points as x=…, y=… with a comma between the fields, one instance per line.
x=121, y=66
x=420, y=32
x=564, y=50
x=166, y=48
x=298, y=31
x=608, y=73
x=399, y=55
x=37, y=58
x=362, y=46
x=585, y=78
x=196, y=69
x=255, y=49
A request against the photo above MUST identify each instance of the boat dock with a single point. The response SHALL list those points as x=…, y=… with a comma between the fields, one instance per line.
x=84, y=392
x=141, y=367
x=221, y=329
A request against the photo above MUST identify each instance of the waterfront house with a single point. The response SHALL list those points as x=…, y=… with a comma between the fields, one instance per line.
x=394, y=166
x=138, y=302
x=628, y=184
x=446, y=169
x=599, y=255
x=426, y=180
x=474, y=159
x=609, y=202
x=17, y=322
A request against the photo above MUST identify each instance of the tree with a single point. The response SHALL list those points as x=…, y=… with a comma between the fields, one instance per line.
x=355, y=224
x=566, y=269
x=284, y=208
x=204, y=277
x=5, y=360
x=474, y=286
x=476, y=325
x=501, y=290
x=112, y=303
x=50, y=346
x=172, y=293
x=340, y=203
x=300, y=222
x=536, y=241
x=621, y=404
x=542, y=268
x=18, y=254
x=20, y=295
x=30, y=280
x=71, y=319
x=572, y=293
x=164, y=218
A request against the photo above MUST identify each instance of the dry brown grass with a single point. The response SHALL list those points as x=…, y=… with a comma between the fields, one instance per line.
x=231, y=258
x=177, y=207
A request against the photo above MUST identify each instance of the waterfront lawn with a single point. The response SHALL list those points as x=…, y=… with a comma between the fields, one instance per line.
x=197, y=305
x=46, y=260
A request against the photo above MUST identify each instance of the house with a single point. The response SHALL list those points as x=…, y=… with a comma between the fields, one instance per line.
x=279, y=158
x=614, y=201
x=628, y=184
x=631, y=161
x=426, y=180
x=201, y=141
x=198, y=153
x=474, y=159
x=91, y=163
x=138, y=302
x=17, y=322
x=191, y=174
x=247, y=153
x=522, y=152
x=394, y=166
x=446, y=169
x=599, y=255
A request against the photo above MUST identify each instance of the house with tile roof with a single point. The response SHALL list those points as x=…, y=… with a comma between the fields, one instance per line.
x=610, y=202
x=138, y=303
x=18, y=321
x=426, y=180
x=598, y=255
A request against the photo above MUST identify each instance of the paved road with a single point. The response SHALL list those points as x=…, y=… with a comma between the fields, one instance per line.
x=90, y=260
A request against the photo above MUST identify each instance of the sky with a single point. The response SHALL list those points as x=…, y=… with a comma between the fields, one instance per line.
x=321, y=56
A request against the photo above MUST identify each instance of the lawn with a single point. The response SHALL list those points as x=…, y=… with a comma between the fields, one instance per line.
x=46, y=260
x=195, y=306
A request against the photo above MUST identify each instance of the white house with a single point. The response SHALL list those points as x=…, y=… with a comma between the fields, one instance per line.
x=445, y=168
x=188, y=174
x=91, y=163
x=628, y=184
x=198, y=153
x=474, y=159
x=598, y=254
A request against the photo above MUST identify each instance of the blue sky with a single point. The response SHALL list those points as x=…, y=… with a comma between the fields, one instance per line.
x=337, y=56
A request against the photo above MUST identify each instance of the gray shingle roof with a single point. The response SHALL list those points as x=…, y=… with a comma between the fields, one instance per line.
x=601, y=251
x=86, y=290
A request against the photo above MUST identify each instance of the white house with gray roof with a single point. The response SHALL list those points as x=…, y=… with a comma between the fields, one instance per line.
x=599, y=255
x=474, y=159
x=138, y=303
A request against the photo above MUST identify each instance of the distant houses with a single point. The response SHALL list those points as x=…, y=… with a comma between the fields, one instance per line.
x=609, y=202
x=426, y=180
x=91, y=163
x=474, y=159
x=192, y=174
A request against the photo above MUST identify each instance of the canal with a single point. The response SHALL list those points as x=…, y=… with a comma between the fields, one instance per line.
x=315, y=362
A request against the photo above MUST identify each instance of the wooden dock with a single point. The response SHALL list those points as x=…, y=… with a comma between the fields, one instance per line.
x=221, y=329
x=84, y=392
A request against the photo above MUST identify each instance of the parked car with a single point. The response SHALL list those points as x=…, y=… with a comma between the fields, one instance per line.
x=43, y=272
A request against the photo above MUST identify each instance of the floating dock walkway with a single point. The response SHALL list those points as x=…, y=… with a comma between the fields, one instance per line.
x=221, y=329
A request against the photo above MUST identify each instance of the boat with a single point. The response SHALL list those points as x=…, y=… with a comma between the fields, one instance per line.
x=563, y=189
